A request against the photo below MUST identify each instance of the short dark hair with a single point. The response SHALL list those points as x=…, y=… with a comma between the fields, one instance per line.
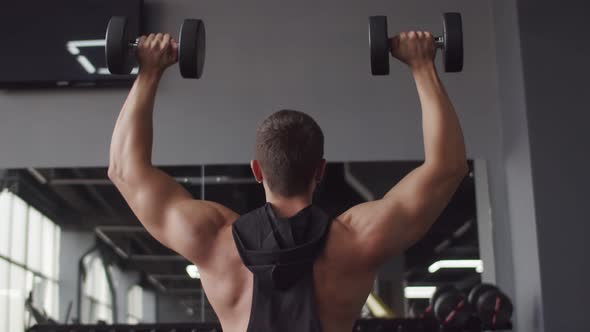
x=289, y=148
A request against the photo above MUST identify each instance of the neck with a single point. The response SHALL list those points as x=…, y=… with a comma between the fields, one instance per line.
x=286, y=207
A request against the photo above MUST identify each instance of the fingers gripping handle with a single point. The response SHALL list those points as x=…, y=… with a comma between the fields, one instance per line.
x=439, y=42
x=134, y=44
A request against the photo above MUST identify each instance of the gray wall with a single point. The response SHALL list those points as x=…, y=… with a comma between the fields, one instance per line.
x=555, y=53
x=150, y=307
x=123, y=281
x=264, y=55
x=516, y=250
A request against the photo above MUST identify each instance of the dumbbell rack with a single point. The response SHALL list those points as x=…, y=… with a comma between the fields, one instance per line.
x=362, y=325
x=170, y=327
x=421, y=325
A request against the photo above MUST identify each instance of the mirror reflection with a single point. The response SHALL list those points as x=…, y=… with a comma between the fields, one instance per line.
x=126, y=276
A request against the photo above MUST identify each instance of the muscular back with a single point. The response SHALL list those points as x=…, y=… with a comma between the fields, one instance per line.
x=341, y=283
x=359, y=241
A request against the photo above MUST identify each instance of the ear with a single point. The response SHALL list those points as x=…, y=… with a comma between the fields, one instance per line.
x=256, y=170
x=321, y=170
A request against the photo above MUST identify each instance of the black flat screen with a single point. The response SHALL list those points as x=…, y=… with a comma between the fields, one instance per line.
x=46, y=43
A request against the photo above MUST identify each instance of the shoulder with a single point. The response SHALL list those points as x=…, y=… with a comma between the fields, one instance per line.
x=346, y=247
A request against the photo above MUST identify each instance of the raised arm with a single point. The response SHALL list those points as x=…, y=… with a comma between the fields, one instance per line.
x=389, y=225
x=163, y=206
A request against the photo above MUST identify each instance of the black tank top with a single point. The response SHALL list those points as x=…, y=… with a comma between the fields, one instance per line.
x=280, y=253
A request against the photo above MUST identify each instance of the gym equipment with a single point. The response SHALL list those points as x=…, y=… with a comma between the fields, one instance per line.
x=451, y=43
x=395, y=325
x=493, y=307
x=362, y=325
x=120, y=47
x=39, y=315
x=161, y=327
x=420, y=309
x=450, y=306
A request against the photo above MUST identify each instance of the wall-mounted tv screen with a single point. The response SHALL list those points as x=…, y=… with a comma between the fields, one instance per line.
x=59, y=43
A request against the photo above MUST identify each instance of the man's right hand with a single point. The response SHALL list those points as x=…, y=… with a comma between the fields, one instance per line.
x=414, y=48
x=156, y=52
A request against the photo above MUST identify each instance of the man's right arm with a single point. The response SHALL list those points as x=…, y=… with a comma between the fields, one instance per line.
x=387, y=226
x=167, y=210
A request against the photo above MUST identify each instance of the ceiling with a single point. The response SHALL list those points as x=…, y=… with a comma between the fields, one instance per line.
x=84, y=198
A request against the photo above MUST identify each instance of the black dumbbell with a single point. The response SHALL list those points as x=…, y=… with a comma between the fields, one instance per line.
x=451, y=43
x=493, y=307
x=450, y=306
x=121, y=45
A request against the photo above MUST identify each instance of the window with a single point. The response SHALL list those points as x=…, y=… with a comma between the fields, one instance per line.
x=134, y=305
x=5, y=294
x=96, y=304
x=18, y=229
x=29, y=261
x=5, y=209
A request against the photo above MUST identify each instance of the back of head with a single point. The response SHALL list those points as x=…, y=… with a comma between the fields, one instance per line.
x=289, y=148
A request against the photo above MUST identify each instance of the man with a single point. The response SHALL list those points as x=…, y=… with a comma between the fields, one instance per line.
x=302, y=280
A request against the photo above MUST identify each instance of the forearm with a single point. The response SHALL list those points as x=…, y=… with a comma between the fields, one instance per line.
x=444, y=146
x=131, y=144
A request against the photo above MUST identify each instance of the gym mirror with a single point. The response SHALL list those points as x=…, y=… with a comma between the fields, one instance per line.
x=64, y=225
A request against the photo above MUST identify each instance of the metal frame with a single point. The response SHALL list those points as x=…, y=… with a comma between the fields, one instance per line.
x=157, y=258
x=107, y=240
x=82, y=267
x=484, y=220
x=171, y=276
x=26, y=268
x=112, y=288
x=197, y=181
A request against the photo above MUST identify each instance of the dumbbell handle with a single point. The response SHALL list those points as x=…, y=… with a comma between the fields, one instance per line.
x=439, y=42
x=133, y=44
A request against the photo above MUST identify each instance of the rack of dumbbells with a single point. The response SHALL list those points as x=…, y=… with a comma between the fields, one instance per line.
x=484, y=308
x=363, y=325
x=170, y=327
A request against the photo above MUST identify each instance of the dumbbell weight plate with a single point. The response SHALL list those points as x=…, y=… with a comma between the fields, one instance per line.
x=119, y=59
x=379, y=45
x=453, y=37
x=477, y=291
x=191, y=52
x=495, y=309
x=483, y=298
x=446, y=300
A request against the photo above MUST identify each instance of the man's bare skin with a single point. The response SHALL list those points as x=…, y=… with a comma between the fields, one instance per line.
x=359, y=241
